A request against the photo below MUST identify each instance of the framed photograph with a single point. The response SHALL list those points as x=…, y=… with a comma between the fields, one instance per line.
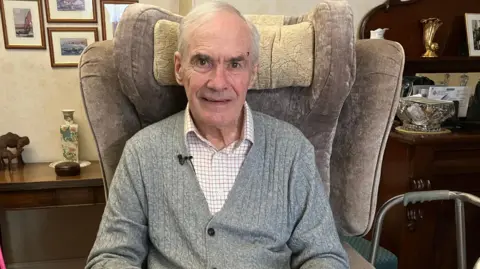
x=67, y=44
x=473, y=33
x=22, y=23
x=71, y=11
x=111, y=12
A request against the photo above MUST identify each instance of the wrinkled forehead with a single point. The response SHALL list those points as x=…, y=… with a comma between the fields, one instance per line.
x=226, y=35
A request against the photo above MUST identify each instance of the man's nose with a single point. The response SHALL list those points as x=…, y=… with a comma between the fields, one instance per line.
x=218, y=79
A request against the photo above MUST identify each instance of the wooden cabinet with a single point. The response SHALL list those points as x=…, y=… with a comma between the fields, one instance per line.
x=423, y=235
x=403, y=17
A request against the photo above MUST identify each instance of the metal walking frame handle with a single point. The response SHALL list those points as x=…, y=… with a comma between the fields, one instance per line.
x=426, y=196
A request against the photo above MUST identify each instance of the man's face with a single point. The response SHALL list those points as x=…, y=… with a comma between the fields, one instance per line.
x=216, y=69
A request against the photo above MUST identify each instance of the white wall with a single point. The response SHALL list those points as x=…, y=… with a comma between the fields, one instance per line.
x=32, y=95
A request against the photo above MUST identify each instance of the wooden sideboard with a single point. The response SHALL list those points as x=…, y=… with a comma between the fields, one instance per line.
x=36, y=185
x=423, y=235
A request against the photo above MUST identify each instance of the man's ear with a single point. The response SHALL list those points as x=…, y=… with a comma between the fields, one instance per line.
x=178, y=68
x=253, y=77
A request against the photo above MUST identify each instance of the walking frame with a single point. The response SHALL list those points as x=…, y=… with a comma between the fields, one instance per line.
x=427, y=196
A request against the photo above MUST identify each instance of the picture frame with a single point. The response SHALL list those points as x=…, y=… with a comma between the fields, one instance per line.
x=71, y=11
x=22, y=23
x=472, y=21
x=111, y=11
x=67, y=44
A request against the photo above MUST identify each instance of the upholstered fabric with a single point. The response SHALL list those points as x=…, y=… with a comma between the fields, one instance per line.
x=346, y=112
x=133, y=58
x=384, y=259
x=285, y=57
x=112, y=117
x=267, y=20
x=362, y=132
x=356, y=260
x=164, y=46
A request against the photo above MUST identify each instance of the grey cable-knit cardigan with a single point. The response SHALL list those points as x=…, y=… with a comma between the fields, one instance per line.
x=276, y=215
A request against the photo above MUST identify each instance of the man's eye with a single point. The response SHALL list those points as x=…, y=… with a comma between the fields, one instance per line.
x=202, y=64
x=236, y=65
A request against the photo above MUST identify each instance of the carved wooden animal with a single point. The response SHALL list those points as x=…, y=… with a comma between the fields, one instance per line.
x=6, y=154
x=11, y=140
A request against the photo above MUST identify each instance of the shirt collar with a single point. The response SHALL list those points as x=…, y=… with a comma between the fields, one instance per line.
x=247, y=131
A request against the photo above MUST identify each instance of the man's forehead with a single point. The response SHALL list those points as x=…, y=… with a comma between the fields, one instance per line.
x=220, y=47
x=239, y=56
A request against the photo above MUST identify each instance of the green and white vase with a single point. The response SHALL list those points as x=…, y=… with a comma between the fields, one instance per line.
x=69, y=138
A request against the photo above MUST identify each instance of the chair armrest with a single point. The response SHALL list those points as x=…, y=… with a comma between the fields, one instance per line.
x=110, y=114
x=362, y=132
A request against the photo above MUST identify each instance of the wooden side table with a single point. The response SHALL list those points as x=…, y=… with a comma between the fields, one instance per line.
x=36, y=185
x=423, y=235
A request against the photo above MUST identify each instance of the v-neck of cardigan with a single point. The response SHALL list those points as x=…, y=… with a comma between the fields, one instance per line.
x=243, y=175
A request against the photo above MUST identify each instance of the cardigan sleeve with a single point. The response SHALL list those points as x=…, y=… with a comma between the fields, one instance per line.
x=122, y=239
x=314, y=242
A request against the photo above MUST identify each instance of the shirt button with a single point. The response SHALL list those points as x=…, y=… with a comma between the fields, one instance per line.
x=211, y=231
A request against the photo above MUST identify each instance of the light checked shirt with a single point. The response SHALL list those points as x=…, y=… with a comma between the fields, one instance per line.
x=216, y=170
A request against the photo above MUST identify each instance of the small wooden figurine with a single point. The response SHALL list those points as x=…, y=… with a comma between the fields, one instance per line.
x=11, y=140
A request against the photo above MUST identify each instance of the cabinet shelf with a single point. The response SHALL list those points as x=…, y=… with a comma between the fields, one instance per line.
x=445, y=64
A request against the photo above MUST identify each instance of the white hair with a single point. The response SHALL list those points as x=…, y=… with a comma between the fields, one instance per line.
x=202, y=13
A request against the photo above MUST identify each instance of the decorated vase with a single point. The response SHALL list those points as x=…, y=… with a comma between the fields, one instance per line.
x=69, y=136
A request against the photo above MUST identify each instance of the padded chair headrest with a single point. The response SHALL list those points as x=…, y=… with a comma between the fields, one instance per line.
x=285, y=58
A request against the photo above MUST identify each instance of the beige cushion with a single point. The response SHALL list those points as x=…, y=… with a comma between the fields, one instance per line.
x=266, y=20
x=286, y=53
x=165, y=45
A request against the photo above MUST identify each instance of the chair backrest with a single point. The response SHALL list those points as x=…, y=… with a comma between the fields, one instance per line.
x=124, y=92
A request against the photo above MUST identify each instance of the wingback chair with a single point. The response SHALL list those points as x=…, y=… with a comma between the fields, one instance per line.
x=341, y=93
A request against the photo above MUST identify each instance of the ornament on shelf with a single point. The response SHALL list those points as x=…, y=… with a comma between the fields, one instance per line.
x=464, y=80
x=69, y=141
x=430, y=28
x=446, y=80
x=14, y=141
x=378, y=33
x=69, y=136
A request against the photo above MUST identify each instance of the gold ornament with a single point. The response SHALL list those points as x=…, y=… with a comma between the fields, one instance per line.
x=430, y=27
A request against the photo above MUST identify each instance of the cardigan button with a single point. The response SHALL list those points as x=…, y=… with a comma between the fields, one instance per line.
x=211, y=231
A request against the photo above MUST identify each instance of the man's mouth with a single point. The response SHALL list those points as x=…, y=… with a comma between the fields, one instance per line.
x=219, y=101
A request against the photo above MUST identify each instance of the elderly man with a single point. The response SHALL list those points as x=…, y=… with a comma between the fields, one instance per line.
x=218, y=185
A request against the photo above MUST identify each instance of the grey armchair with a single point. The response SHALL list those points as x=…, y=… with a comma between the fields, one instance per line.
x=344, y=104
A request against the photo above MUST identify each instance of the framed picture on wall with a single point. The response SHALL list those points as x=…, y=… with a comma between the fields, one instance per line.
x=473, y=33
x=111, y=12
x=71, y=11
x=67, y=44
x=22, y=23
